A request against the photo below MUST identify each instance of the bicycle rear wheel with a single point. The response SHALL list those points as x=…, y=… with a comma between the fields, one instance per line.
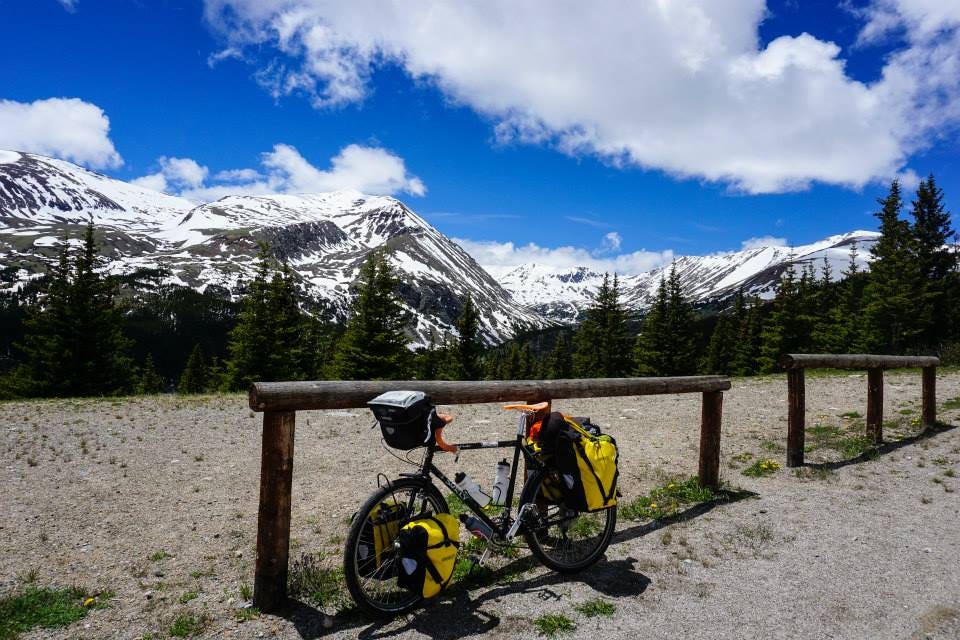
x=564, y=540
x=370, y=562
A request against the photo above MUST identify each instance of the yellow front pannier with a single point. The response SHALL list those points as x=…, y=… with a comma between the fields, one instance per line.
x=428, y=553
x=377, y=537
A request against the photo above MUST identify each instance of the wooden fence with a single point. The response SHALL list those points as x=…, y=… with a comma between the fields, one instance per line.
x=796, y=363
x=279, y=402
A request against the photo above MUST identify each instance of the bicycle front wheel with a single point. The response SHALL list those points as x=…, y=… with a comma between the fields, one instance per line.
x=562, y=539
x=370, y=562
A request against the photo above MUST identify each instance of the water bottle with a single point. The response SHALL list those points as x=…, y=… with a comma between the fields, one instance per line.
x=476, y=526
x=466, y=483
x=501, y=483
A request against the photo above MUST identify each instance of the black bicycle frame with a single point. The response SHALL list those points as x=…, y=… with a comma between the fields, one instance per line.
x=428, y=468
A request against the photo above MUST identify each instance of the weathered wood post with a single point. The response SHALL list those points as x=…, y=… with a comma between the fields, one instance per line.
x=711, y=412
x=796, y=416
x=875, y=404
x=929, y=397
x=273, y=520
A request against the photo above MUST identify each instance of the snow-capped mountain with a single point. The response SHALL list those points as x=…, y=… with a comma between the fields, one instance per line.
x=563, y=294
x=324, y=237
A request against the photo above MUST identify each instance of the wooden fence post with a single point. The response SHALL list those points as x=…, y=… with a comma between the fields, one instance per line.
x=711, y=414
x=875, y=404
x=273, y=520
x=929, y=396
x=796, y=418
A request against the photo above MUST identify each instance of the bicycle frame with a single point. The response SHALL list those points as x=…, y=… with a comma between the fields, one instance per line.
x=427, y=468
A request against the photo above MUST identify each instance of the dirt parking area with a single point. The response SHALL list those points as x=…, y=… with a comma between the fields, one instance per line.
x=155, y=500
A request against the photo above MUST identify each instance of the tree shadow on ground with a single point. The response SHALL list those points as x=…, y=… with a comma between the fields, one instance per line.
x=723, y=496
x=884, y=448
x=459, y=612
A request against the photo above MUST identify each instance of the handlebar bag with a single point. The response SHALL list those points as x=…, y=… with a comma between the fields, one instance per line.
x=407, y=419
x=428, y=553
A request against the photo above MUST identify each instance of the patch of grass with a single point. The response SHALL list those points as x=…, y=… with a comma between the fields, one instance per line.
x=188, y=596
x=246, y=592
x=186, y=625
x=47, y=608
x=953, y=403
x=245, y=615
x=743, y=457
x=850, y=443
x=157, y=556
x=456, y=506
x=852, y=415
x=203, y=573
x=594, y=608
x=907, y=412
x=553, y=624
x=853, y=446
x=760, y=468
x=949, y=473
x=666, y=500
x=772, y=447
x=313, y=580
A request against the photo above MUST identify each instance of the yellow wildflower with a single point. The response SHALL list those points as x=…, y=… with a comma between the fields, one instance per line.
x=88, y=602
x=653, y=505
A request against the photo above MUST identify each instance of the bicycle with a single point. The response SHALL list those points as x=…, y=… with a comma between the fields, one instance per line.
x=563, y=540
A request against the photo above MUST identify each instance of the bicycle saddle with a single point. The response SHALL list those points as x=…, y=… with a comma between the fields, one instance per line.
x=532, y=408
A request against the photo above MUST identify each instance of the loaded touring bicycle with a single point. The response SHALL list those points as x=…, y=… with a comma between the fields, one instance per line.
x=403, y=543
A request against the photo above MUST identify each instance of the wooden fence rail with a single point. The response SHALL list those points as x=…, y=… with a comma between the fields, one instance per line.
x=796, y=363
x=279, y=402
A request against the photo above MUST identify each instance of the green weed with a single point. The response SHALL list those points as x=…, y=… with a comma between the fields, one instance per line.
x=595, y=608
x=666, y=500
x=186, y=626
x=47, y=608
x=312, y=580
x=553, y=624
x=761, y=468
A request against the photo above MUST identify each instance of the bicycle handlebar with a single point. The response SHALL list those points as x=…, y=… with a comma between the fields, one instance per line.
x=445, y=446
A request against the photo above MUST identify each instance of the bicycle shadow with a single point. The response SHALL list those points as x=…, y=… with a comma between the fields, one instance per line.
x=885, y=448
x=459, y=612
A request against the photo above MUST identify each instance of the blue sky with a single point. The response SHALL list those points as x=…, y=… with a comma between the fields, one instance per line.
x=622, y=135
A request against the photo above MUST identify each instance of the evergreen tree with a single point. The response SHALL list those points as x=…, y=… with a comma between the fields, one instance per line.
x=195, y=376
x=527, y=364
x=934, y=260
x=560, y=363
x=373, y=345
x=74, y=344
x=782, y=331
x=512, y=367
x=467, y=350
x=666, y=345
x=890, y=316
x=149, y=381
x=746, y=353
x=493, y=367
x=251, y=339
x=602, y=343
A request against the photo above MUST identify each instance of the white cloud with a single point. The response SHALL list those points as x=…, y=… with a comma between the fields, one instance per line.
x=678, y=86
x=69, y=5
x=66, y=128
x=494, y=255
x=368, y=169
x=599, y=224
x=761, y=242
x=176, y=174
x=612, y=241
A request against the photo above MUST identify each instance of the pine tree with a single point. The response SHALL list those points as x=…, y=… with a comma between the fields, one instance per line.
x=720, y=350
x=560, y=363
x=468, y=348
x=681, y=319
x=512, y=368
x=602, y=343
x=373, y=345
x=746, y=353
x=194, y=378
x=931, y=232
x=651, y=347
x=251, y=340
x=149, y=381
x=889, y=298
x=781, y=332
x=527, y=364
x=74, y=343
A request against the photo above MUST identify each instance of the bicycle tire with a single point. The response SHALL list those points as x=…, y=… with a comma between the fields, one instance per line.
x=553, y=530
x=385, y=598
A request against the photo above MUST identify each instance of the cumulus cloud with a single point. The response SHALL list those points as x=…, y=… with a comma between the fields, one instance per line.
x=761, y=242
x=612, y=241
x=495, y=256
x=66, y=128
x=69, y=5
x=284, y=170
x=175, y=174
x=679, y=86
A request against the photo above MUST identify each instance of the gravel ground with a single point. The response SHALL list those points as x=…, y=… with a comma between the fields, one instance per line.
x=155, y=499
